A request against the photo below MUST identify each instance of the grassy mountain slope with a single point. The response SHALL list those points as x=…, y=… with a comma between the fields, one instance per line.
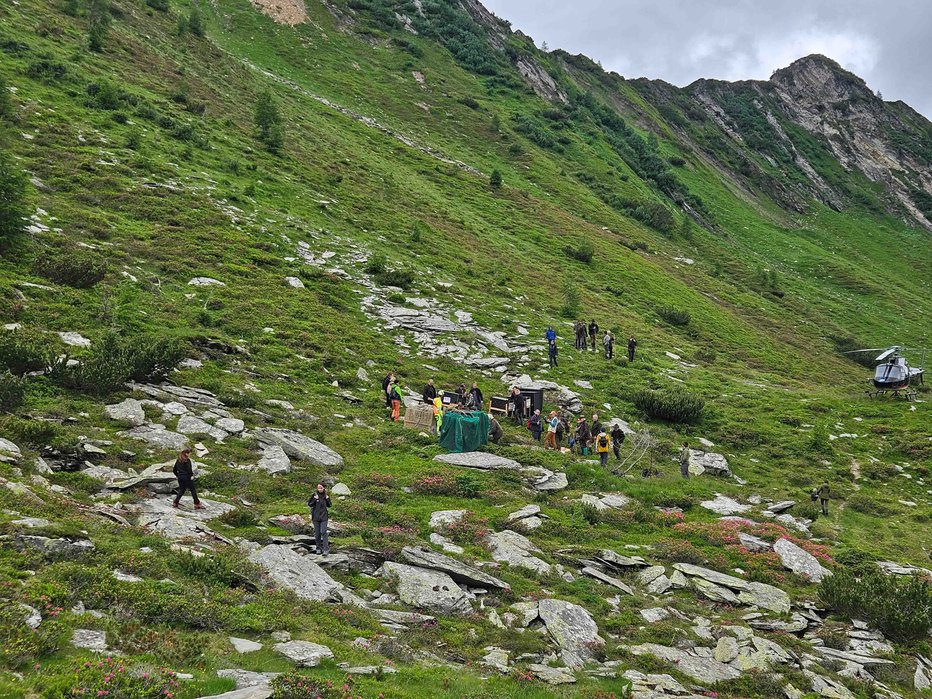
x=145, y=156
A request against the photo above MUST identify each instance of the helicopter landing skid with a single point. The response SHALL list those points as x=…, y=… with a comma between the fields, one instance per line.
x=907, y=394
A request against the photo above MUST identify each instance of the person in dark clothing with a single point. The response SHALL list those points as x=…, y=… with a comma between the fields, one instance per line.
x=495, y=431
x=430, y=392
x=596, y=427
x=632, y=344
x=562, y=429
x=608, y=342
x=593, y=331
x=618, y=438
x=583, y=436
x=580, y=329
x=552, y=353
x=319, y=503
x=386, y=386
x=536, y=425
x=184, y=472
x=477, y=398
x=825, y=494
x=517, y=405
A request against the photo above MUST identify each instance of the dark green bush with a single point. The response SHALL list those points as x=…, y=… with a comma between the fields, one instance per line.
x=495, y=179
x=570, y=307
x=582, y=252
x=160, y=5
x=674, y=316
x=46, y=69
x=900, y=608
x=269, y=122
x=12, y=197
x=22, y=351
x=468, y=485
x=674, y=404
x=402, y=278
x=98, y=24
x=12, y=391
x=72, y=266
x=21, y=645
x=376, y=264
x=868, y=505
x=114, y=360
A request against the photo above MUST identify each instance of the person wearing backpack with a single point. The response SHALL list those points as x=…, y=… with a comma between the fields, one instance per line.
x=602, y=444
x=319, y=503
x=618, y=438
x=395, y=394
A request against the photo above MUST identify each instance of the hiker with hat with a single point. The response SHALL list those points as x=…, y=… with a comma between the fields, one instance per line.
x=550, y=441
x=602, y=444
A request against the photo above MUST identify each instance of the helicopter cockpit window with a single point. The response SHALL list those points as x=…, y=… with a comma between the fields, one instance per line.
x=890, y=372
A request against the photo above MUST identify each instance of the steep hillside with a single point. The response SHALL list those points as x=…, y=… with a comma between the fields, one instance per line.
x=240, y=216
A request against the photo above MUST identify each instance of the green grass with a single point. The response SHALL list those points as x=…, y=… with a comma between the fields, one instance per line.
x=163, y=203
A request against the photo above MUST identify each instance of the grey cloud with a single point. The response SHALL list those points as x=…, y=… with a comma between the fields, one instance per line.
x=679, y=41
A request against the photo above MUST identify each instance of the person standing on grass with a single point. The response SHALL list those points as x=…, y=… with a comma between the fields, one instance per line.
x=632, y=344
x=593, y=331
x=386, y=388
x=517, y=405
x=395, y=394
x=608, y=342
x=438, y=412
x=684, y=460
x=430, y=392
x=551, y=335
x=495, y=430
x=596, y=426
x=618, y=438
x=552, y=354
x=476, y=395
x=602, y=444
x=536, y=425
x=550, y=441
x=184, y=472
x=825, y=494
x=583, y=436
x=320, y=503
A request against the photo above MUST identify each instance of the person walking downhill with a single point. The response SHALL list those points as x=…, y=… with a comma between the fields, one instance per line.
x=593, y=331
x=608, y=342
x=320, y=503
x=550, y=441
x=618, y=438
x=552, y=354
x=551, y=335
x=395, y=393
x=632, y=344
x=184, y=472
x=536, y=425
x=602, y=444
x=824, y=494
x=684, y=460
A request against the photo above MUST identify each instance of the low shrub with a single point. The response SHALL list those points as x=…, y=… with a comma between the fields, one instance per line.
x=807, y=510
x=900, y=608
x=240, y=517
x=865, y=504
x=376, y=264
x=12, y=197
x=21, y=645
x=12, y=391
x=582, y=252
x=114, y=677
x=674, y=316
x=402, y=278
x=672, y=404
x=469, y=529
x=436, y=484
x=115, y=360
x=468, y=485
x=72, y=266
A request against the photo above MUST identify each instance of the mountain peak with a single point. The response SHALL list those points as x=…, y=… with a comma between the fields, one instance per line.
x=820, y=77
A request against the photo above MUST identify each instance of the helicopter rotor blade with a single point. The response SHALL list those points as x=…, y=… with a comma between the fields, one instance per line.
x=872, y=349
x=886, y=353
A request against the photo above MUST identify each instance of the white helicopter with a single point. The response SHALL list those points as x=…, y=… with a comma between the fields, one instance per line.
x=894, y=373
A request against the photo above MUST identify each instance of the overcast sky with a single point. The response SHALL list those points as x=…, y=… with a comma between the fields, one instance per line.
x=886, y=42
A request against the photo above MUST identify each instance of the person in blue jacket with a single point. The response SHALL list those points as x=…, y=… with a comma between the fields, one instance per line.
x=551, y=334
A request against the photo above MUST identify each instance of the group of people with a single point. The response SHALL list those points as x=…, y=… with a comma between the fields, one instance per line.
x=581, y=332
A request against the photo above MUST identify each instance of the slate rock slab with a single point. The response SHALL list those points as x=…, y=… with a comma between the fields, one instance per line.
x=304, y=653
x=459, y=571
x=427, y=589
x=480, y=460
x=573, y=629
x=799, y=561
x=298, y=446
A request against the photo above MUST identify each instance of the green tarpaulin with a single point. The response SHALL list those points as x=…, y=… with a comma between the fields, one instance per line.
x=464, y=431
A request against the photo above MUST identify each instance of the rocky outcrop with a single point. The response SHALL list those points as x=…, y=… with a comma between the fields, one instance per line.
x=460, y=572
x=298, y=446
x=799, y=561
x=516, y=550
x=304, y=577
x=427, y=589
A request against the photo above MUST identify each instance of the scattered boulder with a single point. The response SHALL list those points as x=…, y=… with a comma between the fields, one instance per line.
x=551, y=675
x=516, y=550
x=31, y=616
x=298, y=446
x=427, y=589
x=31, y=522
x=707, y=670
x=306, y=579
x=711, y=576
x=89, y=639
x=9, y=452
x=654, y=614
x=341, y=489
x=304, y=653
x=701, y=462
x=129, y=411
x=724, y=505
x=444, y=518
x=460, y=572
x=799, y=561
x=55, y=548
x=573, y=629
x=248, y=678
x=294, y=282
x=481, y=460
x=607, y=579
x=754, y=544
x=74, y=339
x=244, y=645
x=766, y=597
x=444, y=543
x=205, y=281
x=496, y=658
x=779, y=507
x=274, y=460
x=157, y=436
